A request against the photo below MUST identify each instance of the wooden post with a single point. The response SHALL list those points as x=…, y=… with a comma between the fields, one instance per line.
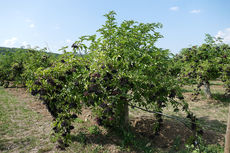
x=227, y=136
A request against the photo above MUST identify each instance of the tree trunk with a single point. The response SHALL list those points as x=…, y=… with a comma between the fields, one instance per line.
x=207, y=90
x=126, y=115
x=227, y=136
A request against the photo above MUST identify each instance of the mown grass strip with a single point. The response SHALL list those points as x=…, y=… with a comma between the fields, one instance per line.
x=18, y=125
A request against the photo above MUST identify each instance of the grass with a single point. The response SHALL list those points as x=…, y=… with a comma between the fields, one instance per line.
x=19, y=131
x=213, y=112
x=187, y=89
x=225, y=100
x=216, y=82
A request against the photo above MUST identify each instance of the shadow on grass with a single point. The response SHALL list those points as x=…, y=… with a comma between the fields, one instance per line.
x=224, y=99
x=127, y=141
x=5, y=145
x=10, y=144
x=213, y=125
x=213, y=129
x=141, y=137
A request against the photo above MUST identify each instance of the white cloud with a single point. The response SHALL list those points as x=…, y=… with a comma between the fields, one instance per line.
x=225, y=34
x=32, y=25
x=68, y=41
x=24, y=43
x=174, y=8
x=10, y=42
x=195, y=11
x=30, y=22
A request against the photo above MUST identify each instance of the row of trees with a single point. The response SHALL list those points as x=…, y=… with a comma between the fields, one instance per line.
x=201, y=64
x=20, y=65
x=119, y=68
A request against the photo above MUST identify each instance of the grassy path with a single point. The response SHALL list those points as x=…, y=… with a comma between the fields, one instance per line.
x=21, y=128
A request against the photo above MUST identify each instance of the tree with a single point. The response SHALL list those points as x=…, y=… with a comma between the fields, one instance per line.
x=19, y=65
x=128, y=69
x=203, y=63
x=120, y=68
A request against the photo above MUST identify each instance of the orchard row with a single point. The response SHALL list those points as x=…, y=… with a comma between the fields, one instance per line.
x=119, y=68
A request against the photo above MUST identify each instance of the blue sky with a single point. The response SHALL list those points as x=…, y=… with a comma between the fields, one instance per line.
x=57, y=23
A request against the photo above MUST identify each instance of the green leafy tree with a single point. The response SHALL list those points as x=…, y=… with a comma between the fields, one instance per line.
x=61, y=88
x=127, y=69
x=33, y=60
x=19, y=65
x=203, y=63
x=5, y=65
x=224, y=61
x=10, y=65
x=121, y=67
